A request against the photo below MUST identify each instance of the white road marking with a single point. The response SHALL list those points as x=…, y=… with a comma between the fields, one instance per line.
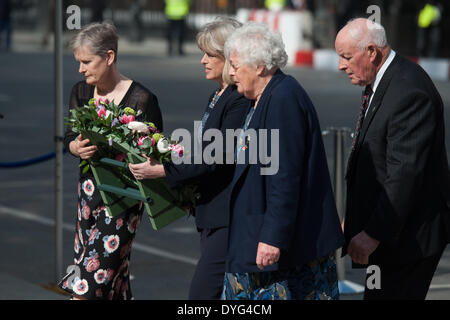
x=24, y=215
x=440, y=286
x=137, y=246
x=184, y=230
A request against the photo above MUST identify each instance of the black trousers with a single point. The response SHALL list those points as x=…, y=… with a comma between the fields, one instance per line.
x=207, y=282
x=404, y=281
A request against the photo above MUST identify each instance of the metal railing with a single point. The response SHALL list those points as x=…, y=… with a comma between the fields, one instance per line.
x=340, y=136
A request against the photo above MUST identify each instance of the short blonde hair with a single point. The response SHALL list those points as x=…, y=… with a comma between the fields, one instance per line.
x=212, y=37
x=99, y=37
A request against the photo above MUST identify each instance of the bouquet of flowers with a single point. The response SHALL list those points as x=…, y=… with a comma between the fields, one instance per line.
x=120, y=139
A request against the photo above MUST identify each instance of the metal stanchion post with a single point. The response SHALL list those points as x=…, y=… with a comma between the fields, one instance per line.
x=339, y=190
x=339, y=135
x=58, y=141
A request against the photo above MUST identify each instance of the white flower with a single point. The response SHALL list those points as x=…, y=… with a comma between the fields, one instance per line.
x=111, y=243
x=163, y=145
x=80, y=287
x=100, y=276
x=139, y=127
x=88, y=187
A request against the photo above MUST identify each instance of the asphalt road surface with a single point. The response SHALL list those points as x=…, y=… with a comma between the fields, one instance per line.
x=162, y=262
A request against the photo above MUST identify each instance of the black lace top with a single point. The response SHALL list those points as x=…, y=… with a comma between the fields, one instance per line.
x=137, y=97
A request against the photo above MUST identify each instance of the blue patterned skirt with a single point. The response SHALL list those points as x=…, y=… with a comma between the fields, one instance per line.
x=316, y=280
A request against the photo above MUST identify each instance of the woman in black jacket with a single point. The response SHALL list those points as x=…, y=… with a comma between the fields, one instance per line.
x=226, y=109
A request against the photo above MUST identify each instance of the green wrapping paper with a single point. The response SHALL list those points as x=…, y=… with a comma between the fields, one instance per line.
x=120, y=190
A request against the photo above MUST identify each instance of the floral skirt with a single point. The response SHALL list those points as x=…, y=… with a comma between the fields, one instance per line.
x=102, y=248
x=313, y=281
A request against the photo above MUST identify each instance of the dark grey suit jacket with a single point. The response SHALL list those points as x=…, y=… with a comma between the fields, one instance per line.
x=398, y=178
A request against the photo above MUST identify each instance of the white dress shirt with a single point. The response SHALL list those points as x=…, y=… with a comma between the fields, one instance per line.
x=379, y=76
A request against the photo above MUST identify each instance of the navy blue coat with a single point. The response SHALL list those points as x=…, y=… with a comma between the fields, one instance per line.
x=213, y=180
x=293, y=209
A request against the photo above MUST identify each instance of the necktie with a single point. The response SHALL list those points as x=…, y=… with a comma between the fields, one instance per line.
x=362, y=113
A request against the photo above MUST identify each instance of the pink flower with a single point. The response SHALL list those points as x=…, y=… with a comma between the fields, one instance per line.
x=119, y=223
x=96, y=212
x=93, y=235
x=140, y=142
x=126, y=119
x=179, y=149
x=92, y=264
x=76, y=244
x=153, y=142
x=101, y=100
x=120, y=156
x=101, y=112
x=80, y=233
x=86, y=212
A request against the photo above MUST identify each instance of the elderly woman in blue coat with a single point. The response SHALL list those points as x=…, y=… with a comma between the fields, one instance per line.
x=284, y=225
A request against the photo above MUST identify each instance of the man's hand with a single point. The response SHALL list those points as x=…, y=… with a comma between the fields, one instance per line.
x=266, y=255
x=361, y=247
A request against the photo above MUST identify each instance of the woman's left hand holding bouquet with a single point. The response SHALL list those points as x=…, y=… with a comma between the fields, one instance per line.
x=150, y=169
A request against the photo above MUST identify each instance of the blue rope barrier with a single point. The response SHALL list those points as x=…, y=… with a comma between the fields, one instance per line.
x=29, y=162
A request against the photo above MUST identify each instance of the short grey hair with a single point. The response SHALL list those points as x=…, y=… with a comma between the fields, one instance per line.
x=212, y=37
x=256, y=44
x=99, y=37
x=373, y=32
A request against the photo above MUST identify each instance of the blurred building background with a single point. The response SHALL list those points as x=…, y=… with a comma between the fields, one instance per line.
x=140, y=19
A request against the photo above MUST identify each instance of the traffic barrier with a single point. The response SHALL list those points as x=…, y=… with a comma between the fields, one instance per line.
x=295, y=27
x=327, y=59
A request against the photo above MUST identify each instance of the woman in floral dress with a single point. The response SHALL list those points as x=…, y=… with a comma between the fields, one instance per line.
x=102, y=244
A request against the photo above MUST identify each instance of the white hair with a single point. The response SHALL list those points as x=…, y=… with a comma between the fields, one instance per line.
x=256, y=44
x=374, y=32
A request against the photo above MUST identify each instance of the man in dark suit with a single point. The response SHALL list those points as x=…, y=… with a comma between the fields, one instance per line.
x=398, y=180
